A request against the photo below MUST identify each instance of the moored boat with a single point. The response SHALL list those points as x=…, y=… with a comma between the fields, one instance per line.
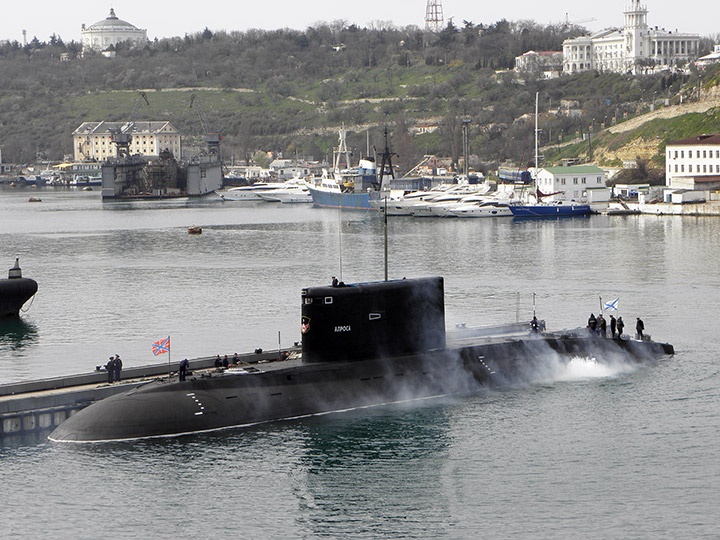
x=482, y=209
x=549, y=209
x=294, y=190
x=347, y=188
x=249, y=193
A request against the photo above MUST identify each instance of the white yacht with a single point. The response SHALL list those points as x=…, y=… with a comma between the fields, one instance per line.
x=405, y=204
x=479, y=209
x=437, y=206
x=249, y=193
x=293, y=191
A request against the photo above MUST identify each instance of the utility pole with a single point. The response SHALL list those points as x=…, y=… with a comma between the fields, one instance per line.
x=466, y=168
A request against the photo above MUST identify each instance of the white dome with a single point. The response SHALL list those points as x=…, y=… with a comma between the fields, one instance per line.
x=112, y=23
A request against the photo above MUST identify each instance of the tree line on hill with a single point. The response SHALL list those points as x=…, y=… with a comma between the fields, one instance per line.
x=302, y=83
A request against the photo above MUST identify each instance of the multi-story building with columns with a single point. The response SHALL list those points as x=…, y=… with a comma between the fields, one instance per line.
x=93, y=141
x=634, y=48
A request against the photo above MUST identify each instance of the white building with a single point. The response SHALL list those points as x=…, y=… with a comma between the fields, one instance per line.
x=634, y=48
x=545, y=64
x=712, y=58
x=693, y=163
x=93, y=141
x=580, y=183
x=110, y=31
x=285, y=169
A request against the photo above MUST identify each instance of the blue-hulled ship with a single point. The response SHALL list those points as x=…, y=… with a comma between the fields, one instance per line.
x=549, y=209
x=345, y=187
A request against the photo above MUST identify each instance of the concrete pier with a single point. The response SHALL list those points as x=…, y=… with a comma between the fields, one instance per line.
x=709, y=208
x=34, y=406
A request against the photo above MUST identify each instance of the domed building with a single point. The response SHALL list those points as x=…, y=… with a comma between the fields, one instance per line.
x=109, y=32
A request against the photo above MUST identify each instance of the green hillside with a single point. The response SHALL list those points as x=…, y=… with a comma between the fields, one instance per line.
x=289, y=91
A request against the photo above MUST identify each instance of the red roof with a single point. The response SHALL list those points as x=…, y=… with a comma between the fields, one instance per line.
x=698, y=140
x=709, y=179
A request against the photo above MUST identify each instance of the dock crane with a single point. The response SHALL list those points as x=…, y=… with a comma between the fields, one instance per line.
x=212, y=139
x=123, y=137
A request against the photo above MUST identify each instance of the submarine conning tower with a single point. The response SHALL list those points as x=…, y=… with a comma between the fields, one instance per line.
x=371, y=320
x=15, y=272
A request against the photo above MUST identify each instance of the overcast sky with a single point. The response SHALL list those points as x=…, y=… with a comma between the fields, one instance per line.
x=42, y=18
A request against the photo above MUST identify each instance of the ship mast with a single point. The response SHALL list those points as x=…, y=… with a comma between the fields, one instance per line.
x=386, y=163
x=537, y=166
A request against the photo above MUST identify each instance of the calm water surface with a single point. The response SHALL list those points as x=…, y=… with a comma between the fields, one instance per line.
x=588, y=452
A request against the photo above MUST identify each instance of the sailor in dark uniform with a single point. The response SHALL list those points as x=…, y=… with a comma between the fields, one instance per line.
x=183, y=369
x=118, y=367
x=620, y=327
x=613, y=326
x=602, y=326
x=640, y=326
x=110, y=368
x=534, y=325
x=592, y=322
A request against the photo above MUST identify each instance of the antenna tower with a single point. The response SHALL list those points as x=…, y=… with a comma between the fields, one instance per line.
x=434, y=16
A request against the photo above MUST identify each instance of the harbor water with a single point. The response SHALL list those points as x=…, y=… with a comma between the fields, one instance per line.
x=588, y=451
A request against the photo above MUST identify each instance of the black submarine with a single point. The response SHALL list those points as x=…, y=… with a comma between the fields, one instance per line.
x=15, y=291
x=363, y=345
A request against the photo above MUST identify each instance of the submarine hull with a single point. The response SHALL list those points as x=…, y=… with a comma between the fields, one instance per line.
x=291, y=389
x=14, y=293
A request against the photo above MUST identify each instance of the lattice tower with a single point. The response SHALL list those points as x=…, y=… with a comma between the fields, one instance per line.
x=434, y=16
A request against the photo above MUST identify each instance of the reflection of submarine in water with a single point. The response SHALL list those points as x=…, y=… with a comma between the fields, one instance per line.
x=15, y=291
x=363, y=345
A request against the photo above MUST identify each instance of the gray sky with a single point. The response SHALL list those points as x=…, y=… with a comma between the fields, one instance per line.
x=42, y=18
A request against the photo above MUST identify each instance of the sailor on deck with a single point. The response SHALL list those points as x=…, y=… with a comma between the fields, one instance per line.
x=620, y=327
x=110, y=368
x=184, y=365
x=592, y=322
x=118, y=367
x=640, y=327
x=534, y=325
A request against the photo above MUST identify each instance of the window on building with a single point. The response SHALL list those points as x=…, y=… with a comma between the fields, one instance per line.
x=582, y=181
x=704, y=153
x=704, y=168
x=675, y=154
x=676, y=168
x=690, y=153
x=682, y=168
x=562, y=182
x=682, y=153
x=574, y=180
x=690, y=168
